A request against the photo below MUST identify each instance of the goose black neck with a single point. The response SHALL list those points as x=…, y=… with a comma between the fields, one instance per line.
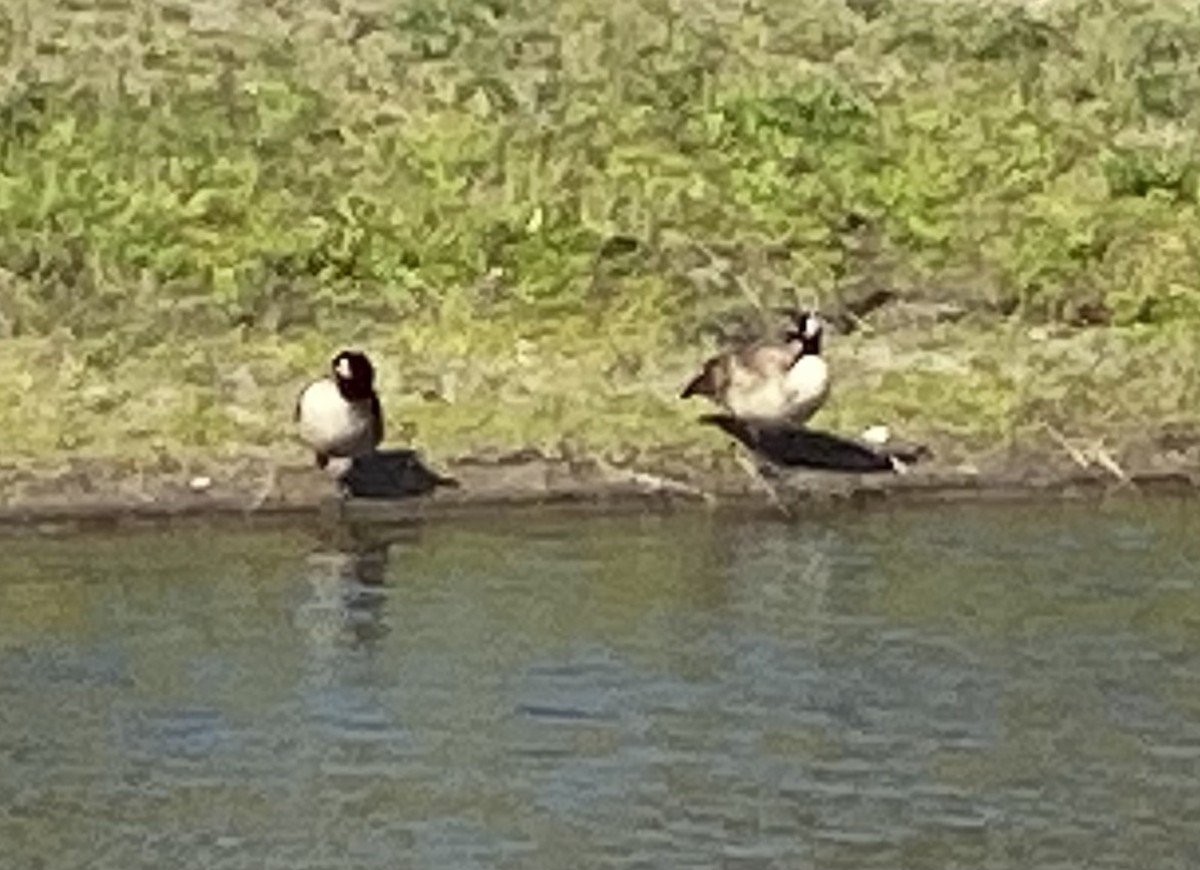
x=355, y=390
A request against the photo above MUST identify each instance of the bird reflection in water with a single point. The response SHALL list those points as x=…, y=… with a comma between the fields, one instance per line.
x=347, y=594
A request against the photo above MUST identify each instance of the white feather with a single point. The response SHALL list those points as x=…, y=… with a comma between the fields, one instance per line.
x=794, y=397
x=329, y=424
x=764, y=400
x=807, y=386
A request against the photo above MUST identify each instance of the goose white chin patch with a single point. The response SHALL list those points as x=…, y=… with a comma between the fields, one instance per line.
x=343, y=369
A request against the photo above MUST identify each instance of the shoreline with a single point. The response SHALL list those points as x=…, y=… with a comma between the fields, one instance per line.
x=97, y=494
x=1005, y=414
x=533, y=261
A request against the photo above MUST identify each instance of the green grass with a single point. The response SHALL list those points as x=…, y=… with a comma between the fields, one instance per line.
x=485, y=389
x=528, y=210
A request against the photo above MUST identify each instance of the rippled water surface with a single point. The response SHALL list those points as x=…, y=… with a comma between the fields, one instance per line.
x=966, y=687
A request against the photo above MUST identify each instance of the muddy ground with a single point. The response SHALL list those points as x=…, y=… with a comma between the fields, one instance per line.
x=400, y=485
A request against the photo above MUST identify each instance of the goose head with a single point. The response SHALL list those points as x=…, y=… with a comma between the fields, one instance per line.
x=354, y=375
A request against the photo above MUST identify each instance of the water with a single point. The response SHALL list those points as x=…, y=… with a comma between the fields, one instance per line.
x=966, y=687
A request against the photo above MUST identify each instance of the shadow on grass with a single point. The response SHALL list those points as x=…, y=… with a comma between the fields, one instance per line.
x=392, y=473
x=794, y=447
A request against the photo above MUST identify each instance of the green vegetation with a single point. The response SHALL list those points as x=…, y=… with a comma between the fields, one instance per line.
x=531, y=210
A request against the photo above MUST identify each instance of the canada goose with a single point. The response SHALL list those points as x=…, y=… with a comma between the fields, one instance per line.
x=340, y=415
x=769, y=381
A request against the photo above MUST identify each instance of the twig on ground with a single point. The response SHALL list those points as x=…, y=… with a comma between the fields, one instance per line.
x=140, y=491
x=751, y=296
x=752, y=469
x=1104, y=460
x=266, y=489
x=1074, y=452
x=1093, y=454
x=657, y=482
x=270, y=482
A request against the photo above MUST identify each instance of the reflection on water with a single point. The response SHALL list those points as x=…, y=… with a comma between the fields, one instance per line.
x=985, y=687
x=347, y=595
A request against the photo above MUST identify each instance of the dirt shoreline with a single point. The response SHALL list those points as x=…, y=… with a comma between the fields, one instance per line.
x=93, y=492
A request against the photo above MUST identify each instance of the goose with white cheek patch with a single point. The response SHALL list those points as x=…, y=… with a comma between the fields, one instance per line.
x=340, y=416
x=769, y=382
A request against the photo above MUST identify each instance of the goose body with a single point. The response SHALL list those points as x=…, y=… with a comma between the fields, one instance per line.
x=776, y=392
x=340, y=415
x=769, y=382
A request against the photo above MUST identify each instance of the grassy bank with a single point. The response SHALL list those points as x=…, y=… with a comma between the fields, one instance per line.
x=971, y=390
x=532, y=212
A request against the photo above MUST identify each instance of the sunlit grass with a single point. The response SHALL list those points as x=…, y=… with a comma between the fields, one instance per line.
x=573, y=394
x=528, y=209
